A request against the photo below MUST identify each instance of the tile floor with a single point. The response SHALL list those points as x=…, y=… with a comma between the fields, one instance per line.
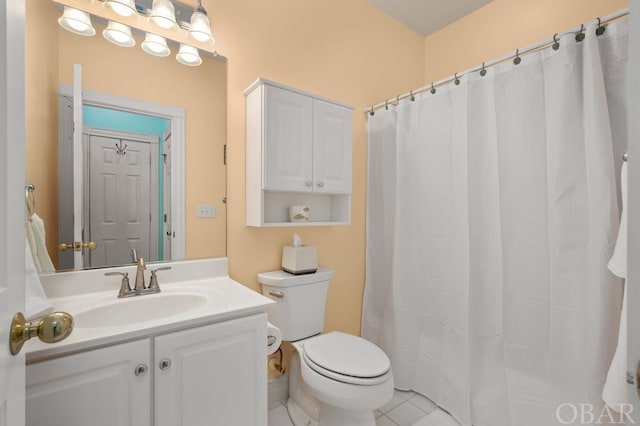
x=404, y=409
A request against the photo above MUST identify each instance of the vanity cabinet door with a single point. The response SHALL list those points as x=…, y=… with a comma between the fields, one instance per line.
x=331, y=148
x=288, y=163
x=98, y=388
x=213, y=375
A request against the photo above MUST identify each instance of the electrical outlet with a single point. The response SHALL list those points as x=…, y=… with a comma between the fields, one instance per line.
x=206, y=210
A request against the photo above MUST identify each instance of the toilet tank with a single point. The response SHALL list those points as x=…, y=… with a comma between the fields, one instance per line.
x=300, y=301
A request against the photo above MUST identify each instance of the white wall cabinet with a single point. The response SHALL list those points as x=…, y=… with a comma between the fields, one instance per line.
x=298, y=152
x=206, y=375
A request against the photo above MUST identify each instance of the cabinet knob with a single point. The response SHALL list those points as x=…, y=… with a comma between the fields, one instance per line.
x=165, y=364
x=141, y=370
x=308, y=183
x=320, y=184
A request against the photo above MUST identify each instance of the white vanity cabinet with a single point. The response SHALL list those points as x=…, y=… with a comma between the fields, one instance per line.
x=213, y=374
x=97, y=388
x=298, y=152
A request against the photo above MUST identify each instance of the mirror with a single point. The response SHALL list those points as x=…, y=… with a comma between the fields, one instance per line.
x=130, y=73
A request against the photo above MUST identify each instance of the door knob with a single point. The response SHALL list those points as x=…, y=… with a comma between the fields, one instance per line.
x=53, y=328
x=77, y=246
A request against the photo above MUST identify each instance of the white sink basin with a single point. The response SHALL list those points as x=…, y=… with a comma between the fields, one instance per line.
x=138, y=309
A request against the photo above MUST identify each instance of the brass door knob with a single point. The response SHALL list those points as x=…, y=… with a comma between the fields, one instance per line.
x=77, y=246
x=53, y=328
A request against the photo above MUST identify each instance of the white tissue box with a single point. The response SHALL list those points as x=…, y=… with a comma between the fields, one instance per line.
x=299, y=260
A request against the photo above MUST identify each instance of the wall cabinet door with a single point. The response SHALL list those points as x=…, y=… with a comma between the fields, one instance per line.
x=213, y=375
x=288, y=148
x=331, y=148
x=97, y=388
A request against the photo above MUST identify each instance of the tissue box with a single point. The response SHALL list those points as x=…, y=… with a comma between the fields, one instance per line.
x=299, y=260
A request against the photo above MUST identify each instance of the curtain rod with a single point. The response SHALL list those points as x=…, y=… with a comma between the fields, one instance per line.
x=578, y=31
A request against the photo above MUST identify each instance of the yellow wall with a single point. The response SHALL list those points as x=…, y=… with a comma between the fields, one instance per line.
x=349, y=51
x=503, y=26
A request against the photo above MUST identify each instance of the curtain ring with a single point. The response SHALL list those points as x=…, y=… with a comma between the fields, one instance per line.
x=517, y=59
x=386, y=104
x=601, y=28
x=457, y=80
x=372, y=113
x=398, y=100
x=483, y=71
x=433, y=89
x=413, y=98
x=556, y=44
x=580, y=35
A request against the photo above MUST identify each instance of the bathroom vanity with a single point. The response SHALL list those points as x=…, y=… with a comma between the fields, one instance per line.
x=194, y=354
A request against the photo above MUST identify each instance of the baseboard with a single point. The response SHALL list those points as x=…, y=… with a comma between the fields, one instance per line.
x=278, y=391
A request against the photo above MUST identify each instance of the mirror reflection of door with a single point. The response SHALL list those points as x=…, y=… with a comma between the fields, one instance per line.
x=166, y=231
x=124, y=189
x=119, y=197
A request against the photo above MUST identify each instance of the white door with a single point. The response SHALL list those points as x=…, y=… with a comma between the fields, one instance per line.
x=118, y=199
x=288, y=163
x=12, y=167
x=331, y=148
x=633, y=235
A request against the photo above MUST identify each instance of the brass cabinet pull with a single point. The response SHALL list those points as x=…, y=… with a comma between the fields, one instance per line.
x=53, y=328
x=77, y=246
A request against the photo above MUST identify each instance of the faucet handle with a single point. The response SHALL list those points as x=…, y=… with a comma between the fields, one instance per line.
x=153, y=283
x=124, y=286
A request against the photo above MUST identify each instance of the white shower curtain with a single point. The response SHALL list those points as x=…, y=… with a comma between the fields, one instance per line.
x=492, y=211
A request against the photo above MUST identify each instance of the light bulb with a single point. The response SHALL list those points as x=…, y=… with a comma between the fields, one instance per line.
x=163, y=14
x=188, y=55
x=119, y=34
x=124, y=8
x=76, y=21
x=155, y=45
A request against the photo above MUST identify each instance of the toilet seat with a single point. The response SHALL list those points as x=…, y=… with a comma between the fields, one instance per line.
x=346, y=358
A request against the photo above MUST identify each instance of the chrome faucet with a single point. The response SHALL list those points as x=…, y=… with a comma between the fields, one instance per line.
x=139, y=288
x=140, y=275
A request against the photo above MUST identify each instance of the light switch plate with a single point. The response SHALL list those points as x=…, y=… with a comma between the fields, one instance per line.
x=206, y=210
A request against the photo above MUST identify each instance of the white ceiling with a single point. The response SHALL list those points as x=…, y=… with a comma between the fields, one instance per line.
x=428, y=16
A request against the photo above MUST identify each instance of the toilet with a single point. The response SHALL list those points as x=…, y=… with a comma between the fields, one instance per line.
x=335, y=378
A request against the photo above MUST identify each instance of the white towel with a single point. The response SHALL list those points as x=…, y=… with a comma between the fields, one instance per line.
x=37, y=225
x=614, y=392
x=36, y=302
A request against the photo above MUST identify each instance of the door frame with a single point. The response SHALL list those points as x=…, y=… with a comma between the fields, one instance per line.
x=177, y=117
x=12, y=204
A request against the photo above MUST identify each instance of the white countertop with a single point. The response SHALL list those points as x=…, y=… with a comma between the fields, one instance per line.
x=75, y=292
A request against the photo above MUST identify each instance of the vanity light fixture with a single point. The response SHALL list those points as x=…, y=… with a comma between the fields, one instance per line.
x=163, y=14
x=200, y=28
x=188, y=55
x=119, y=34
x=155, y=45
x=124, y=8
x=76, y=21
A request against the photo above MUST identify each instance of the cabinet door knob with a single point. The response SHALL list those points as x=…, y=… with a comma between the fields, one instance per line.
x=141, y=370
x=320, y=184
x=309, y=183
x=165, y=364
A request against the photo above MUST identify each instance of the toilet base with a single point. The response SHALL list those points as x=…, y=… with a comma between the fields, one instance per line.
x=307, y=410
x=330, y=416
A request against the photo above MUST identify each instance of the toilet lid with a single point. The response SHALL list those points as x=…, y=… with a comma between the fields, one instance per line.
x=347, y=355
